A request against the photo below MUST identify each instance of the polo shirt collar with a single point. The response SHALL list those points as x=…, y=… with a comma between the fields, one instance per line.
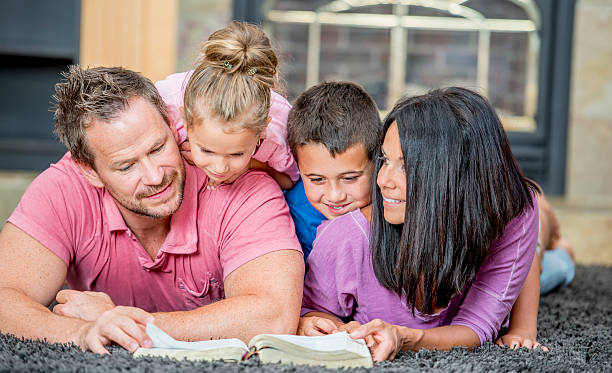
x=183, y=235
x=113, y=215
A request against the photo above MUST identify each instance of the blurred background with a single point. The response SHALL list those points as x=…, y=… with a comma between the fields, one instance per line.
x=544, y=64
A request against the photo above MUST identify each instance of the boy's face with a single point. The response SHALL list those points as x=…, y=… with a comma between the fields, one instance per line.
x=335, y=185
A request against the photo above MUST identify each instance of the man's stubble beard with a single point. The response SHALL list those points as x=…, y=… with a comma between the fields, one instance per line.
x=137, y=207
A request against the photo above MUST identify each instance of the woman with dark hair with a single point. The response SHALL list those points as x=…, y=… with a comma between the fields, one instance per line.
x=442, y=253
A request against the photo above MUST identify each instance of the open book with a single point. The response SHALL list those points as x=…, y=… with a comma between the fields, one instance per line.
x=332, y=351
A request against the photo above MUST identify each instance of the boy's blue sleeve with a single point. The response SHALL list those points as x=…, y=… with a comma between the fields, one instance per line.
x=305, y=217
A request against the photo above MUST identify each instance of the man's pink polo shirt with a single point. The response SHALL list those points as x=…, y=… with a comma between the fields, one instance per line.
x=211, y=234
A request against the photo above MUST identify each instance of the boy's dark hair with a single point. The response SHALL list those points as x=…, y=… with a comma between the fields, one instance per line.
x=101, y=93
x=335, y=114
x=463, y=186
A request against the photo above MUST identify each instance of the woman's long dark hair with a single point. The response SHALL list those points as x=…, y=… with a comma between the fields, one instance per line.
x=463, y=186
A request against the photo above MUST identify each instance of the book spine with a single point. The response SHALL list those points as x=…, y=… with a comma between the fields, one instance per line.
x=252, y=351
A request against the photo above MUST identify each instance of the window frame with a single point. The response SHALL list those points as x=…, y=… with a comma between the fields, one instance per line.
x=542, y=153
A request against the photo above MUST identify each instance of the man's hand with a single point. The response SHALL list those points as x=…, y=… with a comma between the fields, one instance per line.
x=122, y=325
x=84, y=305
x=517, y=339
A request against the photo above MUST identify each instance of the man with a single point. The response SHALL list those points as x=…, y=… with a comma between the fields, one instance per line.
x=122, y=215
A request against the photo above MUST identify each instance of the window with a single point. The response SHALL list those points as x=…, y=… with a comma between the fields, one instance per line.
x=407, y=47
x=516, y=52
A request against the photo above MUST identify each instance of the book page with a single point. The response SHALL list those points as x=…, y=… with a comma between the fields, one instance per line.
x=162, y=340
x=224, y=353
x=326, y=343
x=271, y=355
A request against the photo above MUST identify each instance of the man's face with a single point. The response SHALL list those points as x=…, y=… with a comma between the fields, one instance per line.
x=335, y=185
x=137, y=160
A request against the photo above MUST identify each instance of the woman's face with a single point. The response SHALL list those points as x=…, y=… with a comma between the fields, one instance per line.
x=391, y=178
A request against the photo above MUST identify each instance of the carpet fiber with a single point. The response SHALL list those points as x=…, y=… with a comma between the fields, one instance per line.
x=575, y=323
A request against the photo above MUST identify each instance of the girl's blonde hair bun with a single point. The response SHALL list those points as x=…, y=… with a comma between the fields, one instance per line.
x=235, y=72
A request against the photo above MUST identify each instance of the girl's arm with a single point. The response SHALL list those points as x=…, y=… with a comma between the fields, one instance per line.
x=281, y=178
x=390, y=339
x=275, y=152
x=524, y=318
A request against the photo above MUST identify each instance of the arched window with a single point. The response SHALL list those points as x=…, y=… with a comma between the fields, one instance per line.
x=516, y=52
x=395, y=48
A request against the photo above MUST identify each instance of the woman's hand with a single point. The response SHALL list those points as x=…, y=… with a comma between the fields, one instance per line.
x=387, y=339
x=351, y=326
x=516, y=339
x=316, y=325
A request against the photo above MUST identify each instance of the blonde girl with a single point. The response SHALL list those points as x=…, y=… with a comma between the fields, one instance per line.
x=227, y=112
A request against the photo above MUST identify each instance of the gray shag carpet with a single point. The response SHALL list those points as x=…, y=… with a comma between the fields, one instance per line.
x=575, y=323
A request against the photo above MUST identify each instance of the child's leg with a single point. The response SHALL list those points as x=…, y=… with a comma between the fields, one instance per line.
x=558, y=270
x=549, y=225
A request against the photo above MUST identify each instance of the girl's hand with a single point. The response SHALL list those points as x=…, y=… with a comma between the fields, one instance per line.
x=185, y=149
x=386, y=339
x=315, y=325
x=517, y=339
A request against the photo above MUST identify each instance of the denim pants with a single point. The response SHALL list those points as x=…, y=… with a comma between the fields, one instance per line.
x=558, y=270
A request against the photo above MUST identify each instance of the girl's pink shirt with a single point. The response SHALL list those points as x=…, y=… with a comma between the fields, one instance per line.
x=274, y=149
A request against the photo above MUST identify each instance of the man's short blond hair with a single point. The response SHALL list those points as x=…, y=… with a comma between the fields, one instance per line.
x=101, y=93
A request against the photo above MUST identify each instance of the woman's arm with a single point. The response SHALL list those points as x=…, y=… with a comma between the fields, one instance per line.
x=524, y=318
x=485, y=304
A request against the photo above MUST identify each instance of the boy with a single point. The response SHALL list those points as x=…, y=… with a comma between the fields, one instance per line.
x=332, y=130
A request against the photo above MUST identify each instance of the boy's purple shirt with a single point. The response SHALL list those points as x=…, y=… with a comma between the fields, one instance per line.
x=340, y=279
